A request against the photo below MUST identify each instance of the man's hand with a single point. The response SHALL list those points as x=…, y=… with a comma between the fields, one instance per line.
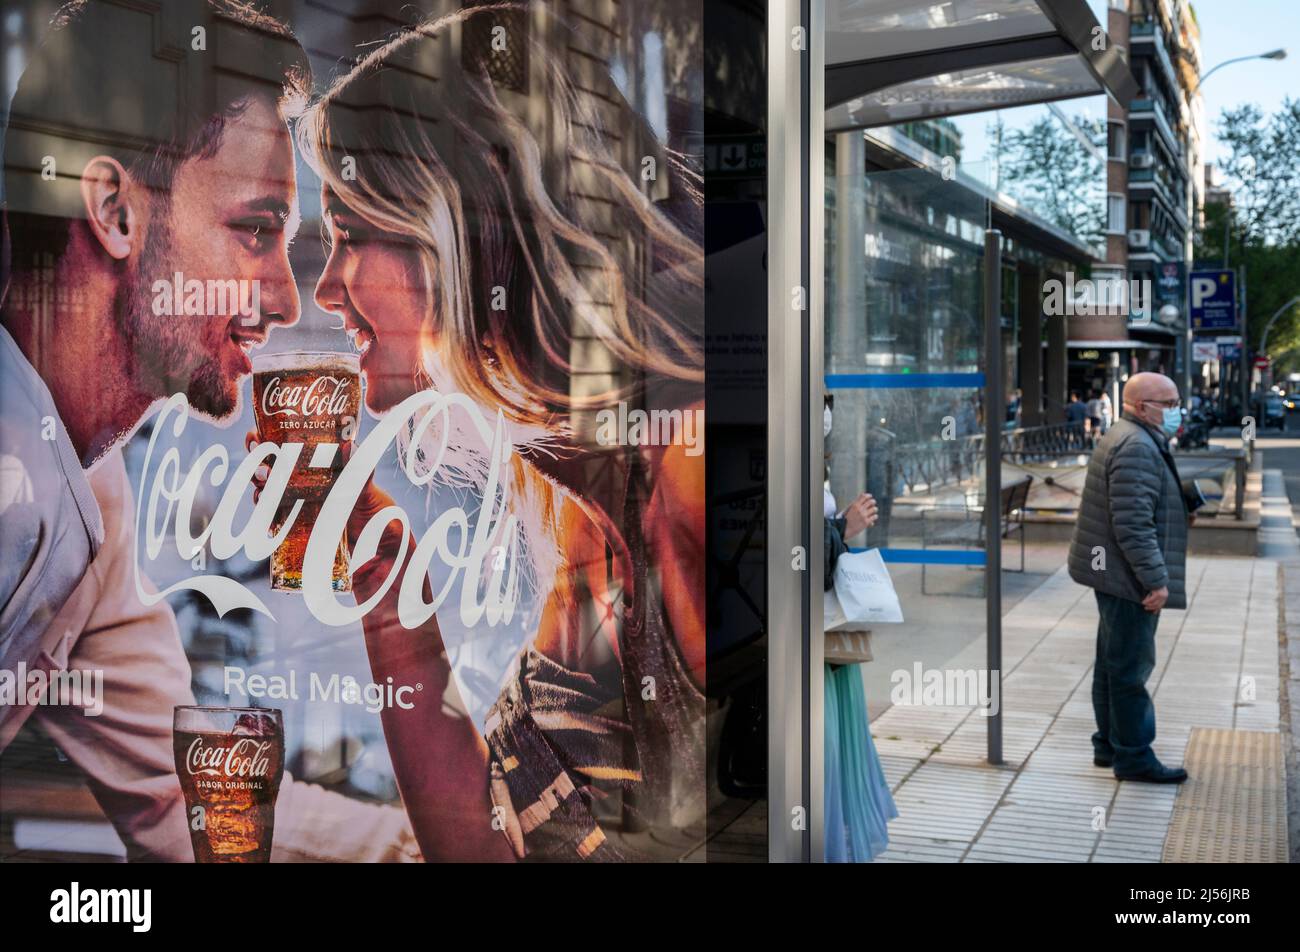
x=1156, y=600
x=860, y=516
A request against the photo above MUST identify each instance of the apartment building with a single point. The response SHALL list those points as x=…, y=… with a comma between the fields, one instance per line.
x=1155, y=193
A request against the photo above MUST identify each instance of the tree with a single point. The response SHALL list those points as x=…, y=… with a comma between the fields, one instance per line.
x=1262, y=172
x=1047, y=169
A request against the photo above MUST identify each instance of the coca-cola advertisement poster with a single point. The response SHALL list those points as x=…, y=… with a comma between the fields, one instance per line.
x=352, y=432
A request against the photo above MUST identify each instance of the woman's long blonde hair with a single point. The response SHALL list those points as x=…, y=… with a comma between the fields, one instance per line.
x=515, y=272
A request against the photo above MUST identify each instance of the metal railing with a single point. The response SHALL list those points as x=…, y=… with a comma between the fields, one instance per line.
x=920, y=468
x=924, y=467
x=1036, y=444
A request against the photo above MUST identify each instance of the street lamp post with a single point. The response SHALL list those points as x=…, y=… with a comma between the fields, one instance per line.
x=1278, y=54
x=1263, y=342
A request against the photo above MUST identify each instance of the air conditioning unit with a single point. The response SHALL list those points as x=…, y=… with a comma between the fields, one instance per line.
x=1141, y=160
x=1139, y=238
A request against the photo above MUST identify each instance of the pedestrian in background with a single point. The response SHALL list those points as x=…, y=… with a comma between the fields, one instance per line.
x=1094, y=416
x=1076, y=417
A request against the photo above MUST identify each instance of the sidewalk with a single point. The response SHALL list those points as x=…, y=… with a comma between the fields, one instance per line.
x=1217, y=667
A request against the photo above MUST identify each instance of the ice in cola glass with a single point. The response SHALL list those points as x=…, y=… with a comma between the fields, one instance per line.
x=229, y=761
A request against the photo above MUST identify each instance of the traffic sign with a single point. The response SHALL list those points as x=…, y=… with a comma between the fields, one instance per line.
x=1203, y=350
x=1261, y=361
x=1213, y=298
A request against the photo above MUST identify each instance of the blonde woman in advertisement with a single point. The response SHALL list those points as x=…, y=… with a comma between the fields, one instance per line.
x=457, y=265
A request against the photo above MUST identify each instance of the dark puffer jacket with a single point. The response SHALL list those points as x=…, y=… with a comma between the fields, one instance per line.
x=1132, y=508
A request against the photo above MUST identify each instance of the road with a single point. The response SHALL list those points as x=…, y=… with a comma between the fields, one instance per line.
x=1282, y=451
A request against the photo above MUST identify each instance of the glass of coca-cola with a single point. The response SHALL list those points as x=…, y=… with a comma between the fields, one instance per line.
x=313, y=399
x=229, y=761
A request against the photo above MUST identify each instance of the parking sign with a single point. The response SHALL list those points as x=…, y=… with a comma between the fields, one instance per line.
x=1213, y=298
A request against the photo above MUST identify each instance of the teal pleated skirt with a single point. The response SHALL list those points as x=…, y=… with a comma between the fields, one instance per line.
x=859, y=805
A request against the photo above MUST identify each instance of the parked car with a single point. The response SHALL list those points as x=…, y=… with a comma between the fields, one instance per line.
x=1274, y=411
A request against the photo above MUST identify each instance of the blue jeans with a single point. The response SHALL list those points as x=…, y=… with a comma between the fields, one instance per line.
x=1126, y=656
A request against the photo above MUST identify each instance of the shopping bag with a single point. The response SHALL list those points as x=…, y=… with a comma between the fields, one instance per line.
x=864, y=590
x=832, y=614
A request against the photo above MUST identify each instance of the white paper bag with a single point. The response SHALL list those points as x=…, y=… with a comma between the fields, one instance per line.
x=863, y=589
x=832, y=614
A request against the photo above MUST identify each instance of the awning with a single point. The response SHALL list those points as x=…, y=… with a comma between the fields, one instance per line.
x=890, y=61
x=1112, y=345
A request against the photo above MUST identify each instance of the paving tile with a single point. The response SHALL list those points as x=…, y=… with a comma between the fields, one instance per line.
x=1042, y=805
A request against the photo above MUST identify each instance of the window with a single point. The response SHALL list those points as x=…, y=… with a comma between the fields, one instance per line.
x=1115, y=214
x=1115, y=144
x=506, y=64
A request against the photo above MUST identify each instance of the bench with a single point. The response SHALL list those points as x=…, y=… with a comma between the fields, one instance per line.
x=965, y=526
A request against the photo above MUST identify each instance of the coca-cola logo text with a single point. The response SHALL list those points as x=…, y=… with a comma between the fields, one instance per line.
x=479, y=544
x=244, y=758
x=323, y=396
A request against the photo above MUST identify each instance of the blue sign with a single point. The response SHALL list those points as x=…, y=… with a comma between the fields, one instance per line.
x=1213, y=299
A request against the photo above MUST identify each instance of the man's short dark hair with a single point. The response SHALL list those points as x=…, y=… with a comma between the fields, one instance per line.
x=125, y=80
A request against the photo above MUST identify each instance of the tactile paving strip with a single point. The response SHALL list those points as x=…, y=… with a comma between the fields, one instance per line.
x=1232, y=809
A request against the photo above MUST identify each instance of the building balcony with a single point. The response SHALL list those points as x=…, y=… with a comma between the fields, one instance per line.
x=1151, y=183
x=1147, y=108
x=1151, y=42
x=1145, y=245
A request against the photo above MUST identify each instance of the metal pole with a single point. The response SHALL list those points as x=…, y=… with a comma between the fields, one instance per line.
x=1245, y=345
x=1263, y=341
x=1186, y=382
x=789, y=614
x=1223, y=364
x=994, y=412
x=814, y=250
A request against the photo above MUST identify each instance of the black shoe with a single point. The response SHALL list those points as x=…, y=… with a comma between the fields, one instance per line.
x=1099, y=760
x=1156, y=773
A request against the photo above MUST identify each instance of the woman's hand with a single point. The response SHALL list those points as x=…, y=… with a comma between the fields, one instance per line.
x=860, y=516
x=372, y=500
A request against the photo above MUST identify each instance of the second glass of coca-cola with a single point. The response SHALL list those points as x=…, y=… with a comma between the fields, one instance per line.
x=313, y=399
x=229, y=761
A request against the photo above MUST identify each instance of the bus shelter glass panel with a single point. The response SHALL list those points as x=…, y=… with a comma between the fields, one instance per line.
x=905, y=379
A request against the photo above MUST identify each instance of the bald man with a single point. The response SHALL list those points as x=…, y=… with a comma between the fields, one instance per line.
x=1130, y=547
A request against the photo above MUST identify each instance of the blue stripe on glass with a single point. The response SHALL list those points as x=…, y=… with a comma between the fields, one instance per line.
x=901, y=381
x=931, y=556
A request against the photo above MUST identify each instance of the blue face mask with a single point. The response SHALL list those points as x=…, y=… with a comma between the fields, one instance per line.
x=1173, y=419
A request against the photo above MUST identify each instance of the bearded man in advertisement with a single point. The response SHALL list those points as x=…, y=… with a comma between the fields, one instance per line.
x=127, y=171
